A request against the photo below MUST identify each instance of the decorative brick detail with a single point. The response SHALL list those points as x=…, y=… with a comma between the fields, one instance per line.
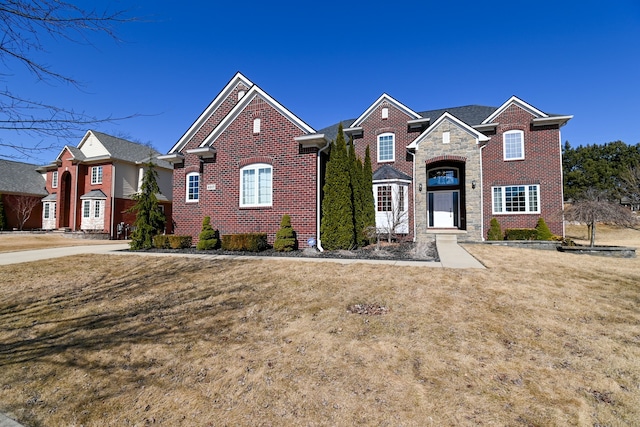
x=252, y=160
x=446, y=158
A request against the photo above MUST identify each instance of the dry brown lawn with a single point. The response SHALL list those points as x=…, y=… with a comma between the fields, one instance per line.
x=11, y=242
x=539, y=338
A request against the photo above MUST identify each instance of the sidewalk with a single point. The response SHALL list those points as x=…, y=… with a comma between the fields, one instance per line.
x=8, y=422
x=450, y=253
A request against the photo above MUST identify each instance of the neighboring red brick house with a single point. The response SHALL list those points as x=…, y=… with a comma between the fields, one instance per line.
x=21, y=188
x=90, y=186
x=448, y=170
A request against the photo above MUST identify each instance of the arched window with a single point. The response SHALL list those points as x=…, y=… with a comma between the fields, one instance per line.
x=193, y=187
x=386, y=147
x=256, y=185
x=513, y=142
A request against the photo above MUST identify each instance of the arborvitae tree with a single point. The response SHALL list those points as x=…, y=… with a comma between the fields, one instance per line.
x=543, y=230
x=149, y=219
x=336, y=228
x=285, y=236
x=208, y=237
x=2, y=215
x=357, y=195
x=368, y=202
x=495, y=233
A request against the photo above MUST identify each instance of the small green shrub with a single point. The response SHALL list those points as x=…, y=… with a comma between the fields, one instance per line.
x=251, y=242
x=161, y=241
x=286, y=236
x=543, y=232
x=179, y=242
x=495, y=232
x=208, y=238
x=521, y=234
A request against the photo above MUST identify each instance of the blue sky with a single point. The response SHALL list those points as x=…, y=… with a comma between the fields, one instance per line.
x=327, y=61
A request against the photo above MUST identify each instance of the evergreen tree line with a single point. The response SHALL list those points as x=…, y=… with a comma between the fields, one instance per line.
x=610, y=169
x=348, y=207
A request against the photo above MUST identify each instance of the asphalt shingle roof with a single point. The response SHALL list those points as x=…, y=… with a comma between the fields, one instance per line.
x=121, y=149
x=389, y=172
x=21, y=178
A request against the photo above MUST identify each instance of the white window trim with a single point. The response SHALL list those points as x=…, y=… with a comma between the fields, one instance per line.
x=256, y=167
x=504, y=145
x=95, y=179
x=86, y=209
x=393, y=147
x=186, y=195
x=46, y=211
x=503, y=210
x=54, y=179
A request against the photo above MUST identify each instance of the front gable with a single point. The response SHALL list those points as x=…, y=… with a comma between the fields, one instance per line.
x=384, y=101
x=212, y=115
x=255, y=94
x=91, y=146
x=448, y=129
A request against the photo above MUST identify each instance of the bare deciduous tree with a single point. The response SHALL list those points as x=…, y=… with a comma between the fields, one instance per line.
x=595, y=207
x=22, y=206
x=25, y=27
x=396, y=213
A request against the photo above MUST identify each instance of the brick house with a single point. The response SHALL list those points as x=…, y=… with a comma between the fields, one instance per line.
x=90, y=186
x=21, y=189
x=448, y=170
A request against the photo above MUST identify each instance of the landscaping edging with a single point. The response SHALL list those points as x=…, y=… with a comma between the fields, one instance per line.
x=610, y=251
x=547, y=245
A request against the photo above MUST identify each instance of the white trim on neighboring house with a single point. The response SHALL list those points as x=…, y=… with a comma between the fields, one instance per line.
x=385, y=98
x=254, y=92
x=211, y=108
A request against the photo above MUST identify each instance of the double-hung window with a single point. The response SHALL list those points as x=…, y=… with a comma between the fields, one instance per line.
x=96, y=175
x=54, y=179
x=86, y=209
x=513, y=143
x=516, y=199
x=193, y=187
x=256, y=185
x=384, y=198
x=386, y=147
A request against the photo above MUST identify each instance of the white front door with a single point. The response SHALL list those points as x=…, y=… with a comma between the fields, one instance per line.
x=443, y=215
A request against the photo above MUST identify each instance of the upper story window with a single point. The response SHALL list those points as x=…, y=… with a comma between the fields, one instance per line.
x=54, y=179
x=96, y=175
x=256, y=125
x=385, y=113
x=193, y=187
x=513, y=145
x=516, y=199
x=386, y=147
x=256, y=185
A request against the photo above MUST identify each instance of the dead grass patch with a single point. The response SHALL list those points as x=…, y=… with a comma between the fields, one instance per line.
x=22, y=242
x=538, y=338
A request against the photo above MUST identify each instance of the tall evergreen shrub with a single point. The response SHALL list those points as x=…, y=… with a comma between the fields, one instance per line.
x=336, y=228
x=368, y=202
x=149, y=219
x=357, y=196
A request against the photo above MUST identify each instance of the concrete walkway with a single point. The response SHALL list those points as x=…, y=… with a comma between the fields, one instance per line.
x=8, y=422
x=450, y=253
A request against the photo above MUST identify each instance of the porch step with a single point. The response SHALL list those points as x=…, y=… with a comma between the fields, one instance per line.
x=447, y=238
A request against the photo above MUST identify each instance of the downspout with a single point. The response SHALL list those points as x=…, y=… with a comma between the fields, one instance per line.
x=413, y=155
x=481, y=196
x=113, y=191
x=561, y=180
x=319, y=193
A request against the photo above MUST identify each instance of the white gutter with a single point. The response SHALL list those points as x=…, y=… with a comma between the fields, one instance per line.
x=318, y=191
